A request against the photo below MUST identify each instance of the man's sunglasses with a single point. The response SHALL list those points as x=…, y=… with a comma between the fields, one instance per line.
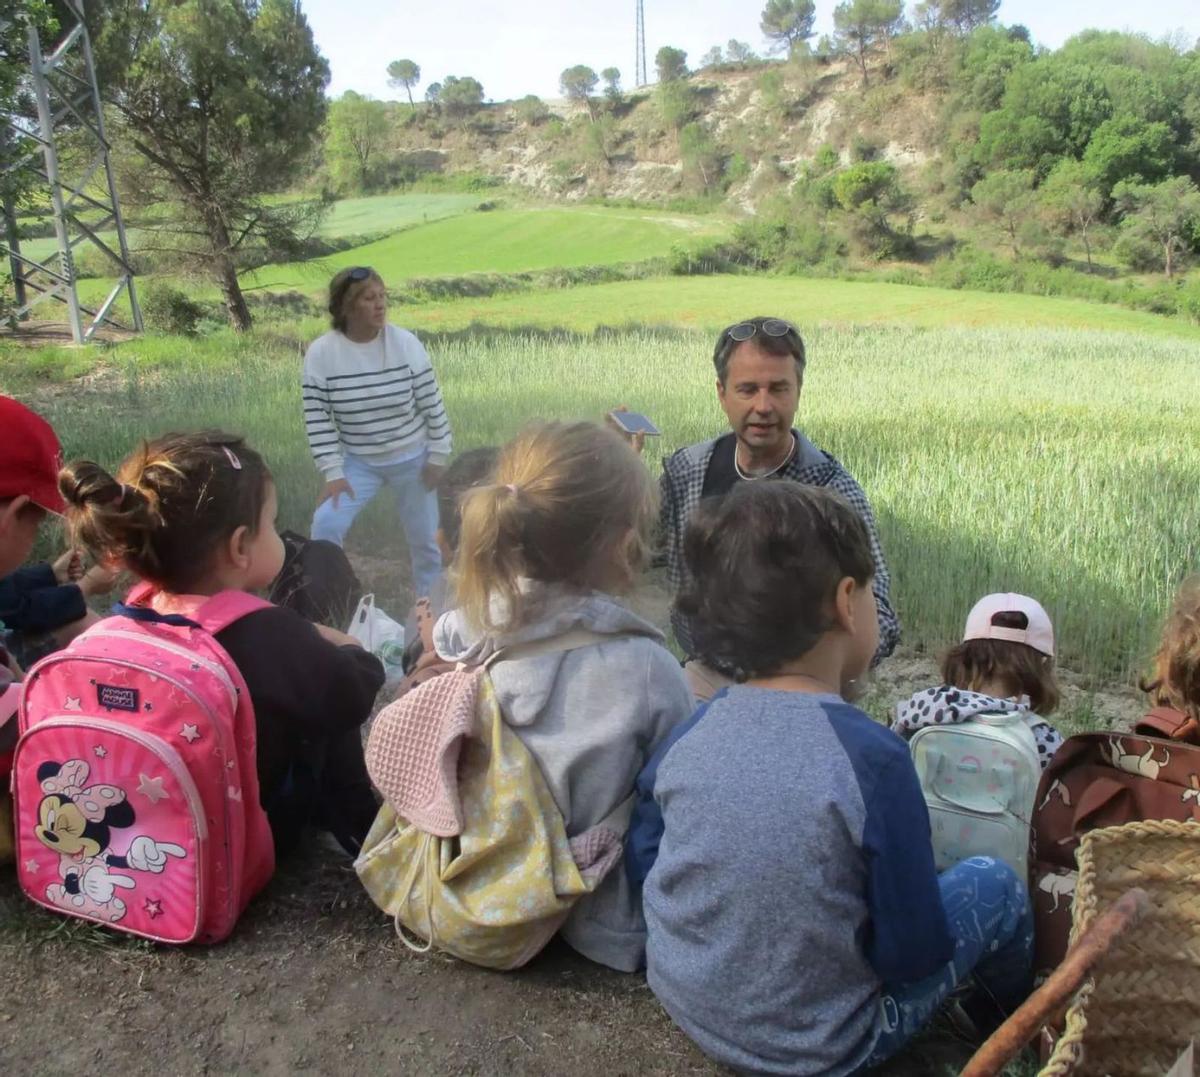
x=772, y=327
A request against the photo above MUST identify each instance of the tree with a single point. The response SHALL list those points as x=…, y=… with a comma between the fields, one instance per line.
x=671, y=64
x=433, y=93
x=788, y=23
x=577, y=84
x=612, y=84
x=676, y=102
x=1125, y=148
x=738, y=52
x=713, y=58
x=859, y=25
x=224, y=102
x=404, y=73
x=531, y=110
x=961, y=16
x=871, y=195
x=1072, y=202
x=460, y=97
x=1167, y=214
x=699, y=154
x=1004, y=198
x=357, y=126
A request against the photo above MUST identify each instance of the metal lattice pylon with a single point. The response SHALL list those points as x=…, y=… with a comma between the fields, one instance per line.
x=640, y=75
x=64, y=86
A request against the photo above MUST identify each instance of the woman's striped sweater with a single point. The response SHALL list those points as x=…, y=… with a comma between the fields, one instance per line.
x=379, y=401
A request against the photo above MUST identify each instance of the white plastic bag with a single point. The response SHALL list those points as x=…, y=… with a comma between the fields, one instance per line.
x=379, y=634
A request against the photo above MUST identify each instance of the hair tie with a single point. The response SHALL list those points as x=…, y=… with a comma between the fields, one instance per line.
x=233, y=460
x=511, y=487
x=120, y=495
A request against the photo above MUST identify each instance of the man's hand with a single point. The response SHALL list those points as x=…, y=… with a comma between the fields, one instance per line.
x=69, y=567
x=334, y=489
x=431, y=474
x=637, y=442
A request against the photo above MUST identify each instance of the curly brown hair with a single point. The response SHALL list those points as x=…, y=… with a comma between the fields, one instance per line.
x=764, y=563
x=171, y=503
x=1175, y=680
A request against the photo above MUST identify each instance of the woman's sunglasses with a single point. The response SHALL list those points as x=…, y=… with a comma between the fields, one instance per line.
x=360, y=273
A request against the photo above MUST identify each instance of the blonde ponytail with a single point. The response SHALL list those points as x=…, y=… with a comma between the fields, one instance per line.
x=572, y=504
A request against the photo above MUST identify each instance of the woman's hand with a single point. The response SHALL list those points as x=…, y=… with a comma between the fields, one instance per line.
x=98, y=580
x=334, y=488
x=431, y=474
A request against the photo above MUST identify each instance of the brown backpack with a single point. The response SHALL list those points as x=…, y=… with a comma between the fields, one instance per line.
x=1097, y=780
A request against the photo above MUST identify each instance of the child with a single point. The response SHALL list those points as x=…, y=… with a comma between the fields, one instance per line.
x=194, y=515
x=1174, y=686
x=796, y=923
x=542, y=547
x=44, y=606
x=29, y=459
x=467, y=471
x=1005, y=664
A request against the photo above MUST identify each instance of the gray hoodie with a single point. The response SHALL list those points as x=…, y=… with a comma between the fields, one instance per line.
x=591, y=718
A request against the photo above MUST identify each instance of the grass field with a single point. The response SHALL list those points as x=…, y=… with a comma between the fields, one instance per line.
x=499, y=241
x=1063, y=463
x=348, y=216
x=711, y=302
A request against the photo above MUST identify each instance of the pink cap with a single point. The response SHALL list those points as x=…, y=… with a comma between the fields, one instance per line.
x=1038, y=633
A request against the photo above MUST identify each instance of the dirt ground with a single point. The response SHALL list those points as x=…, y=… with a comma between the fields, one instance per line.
x=315, y=980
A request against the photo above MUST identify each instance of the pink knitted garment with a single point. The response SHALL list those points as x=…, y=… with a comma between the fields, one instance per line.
x=413, y=749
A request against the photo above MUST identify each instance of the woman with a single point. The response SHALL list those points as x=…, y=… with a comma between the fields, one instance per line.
x=375, y=417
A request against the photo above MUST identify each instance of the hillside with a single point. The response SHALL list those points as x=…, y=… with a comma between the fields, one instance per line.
x=766, y=120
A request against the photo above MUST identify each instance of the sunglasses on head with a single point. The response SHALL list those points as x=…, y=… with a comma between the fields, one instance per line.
x=360, y=273
x=771, y=327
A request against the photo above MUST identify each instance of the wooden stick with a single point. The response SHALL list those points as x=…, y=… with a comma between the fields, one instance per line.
x=1006, y=1042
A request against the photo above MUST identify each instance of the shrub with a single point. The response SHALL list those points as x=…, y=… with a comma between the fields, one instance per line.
x=168, y=309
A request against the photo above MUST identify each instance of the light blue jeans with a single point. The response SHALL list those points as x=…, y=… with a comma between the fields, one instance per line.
x=418, y=512
x=991, y=919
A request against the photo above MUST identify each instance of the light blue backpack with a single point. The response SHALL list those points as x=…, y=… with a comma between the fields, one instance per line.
x=980, y=780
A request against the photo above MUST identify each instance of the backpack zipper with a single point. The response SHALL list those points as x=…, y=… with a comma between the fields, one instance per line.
x=180, y=652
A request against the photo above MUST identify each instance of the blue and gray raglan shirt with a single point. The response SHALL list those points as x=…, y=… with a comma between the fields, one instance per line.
x=784, y=846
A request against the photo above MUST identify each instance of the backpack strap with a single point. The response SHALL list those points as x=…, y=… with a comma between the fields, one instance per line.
x=571, y=640
x=1170, y=723
x=220, y=611
x=212, y=615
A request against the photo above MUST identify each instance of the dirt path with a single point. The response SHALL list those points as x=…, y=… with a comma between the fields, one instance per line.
x=315, y=981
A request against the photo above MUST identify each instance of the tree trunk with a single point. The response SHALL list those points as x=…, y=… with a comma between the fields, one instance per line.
x=1169, y=248
x=408, y=90
x=235, y=302
x=1087, y=246
x=862, y=62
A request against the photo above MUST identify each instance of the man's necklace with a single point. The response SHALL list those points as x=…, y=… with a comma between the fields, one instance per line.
x=766, y=474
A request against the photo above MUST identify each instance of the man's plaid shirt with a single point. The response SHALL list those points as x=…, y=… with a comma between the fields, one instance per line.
x=683, y=481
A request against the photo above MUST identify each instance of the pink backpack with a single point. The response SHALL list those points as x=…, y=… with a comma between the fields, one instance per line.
x=135, y=783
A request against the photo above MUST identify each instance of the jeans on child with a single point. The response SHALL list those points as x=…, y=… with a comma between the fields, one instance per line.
x=418, y=512
x=991, y=920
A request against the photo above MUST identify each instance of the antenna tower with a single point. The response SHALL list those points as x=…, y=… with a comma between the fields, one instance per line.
x=63, y=83
x=641, y=78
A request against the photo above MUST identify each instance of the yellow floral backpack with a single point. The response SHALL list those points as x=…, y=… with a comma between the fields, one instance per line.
x=469, y=853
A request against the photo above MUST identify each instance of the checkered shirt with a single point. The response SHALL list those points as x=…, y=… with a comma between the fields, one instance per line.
x=683, y=481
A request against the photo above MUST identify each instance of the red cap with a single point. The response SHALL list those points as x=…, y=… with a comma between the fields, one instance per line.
x=30, y=457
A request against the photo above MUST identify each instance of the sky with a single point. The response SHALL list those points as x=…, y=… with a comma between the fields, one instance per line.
x=522, y=47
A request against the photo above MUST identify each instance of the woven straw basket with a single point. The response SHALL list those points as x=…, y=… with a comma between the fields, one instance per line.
x=1142, y=1006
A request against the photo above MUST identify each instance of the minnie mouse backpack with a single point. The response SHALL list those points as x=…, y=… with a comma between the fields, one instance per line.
x=135, y=784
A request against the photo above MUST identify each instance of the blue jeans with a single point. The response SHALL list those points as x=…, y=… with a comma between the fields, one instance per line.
x=991, y=919
x=418, y=512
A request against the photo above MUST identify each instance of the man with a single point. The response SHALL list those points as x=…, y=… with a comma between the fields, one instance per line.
x=760, y=371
